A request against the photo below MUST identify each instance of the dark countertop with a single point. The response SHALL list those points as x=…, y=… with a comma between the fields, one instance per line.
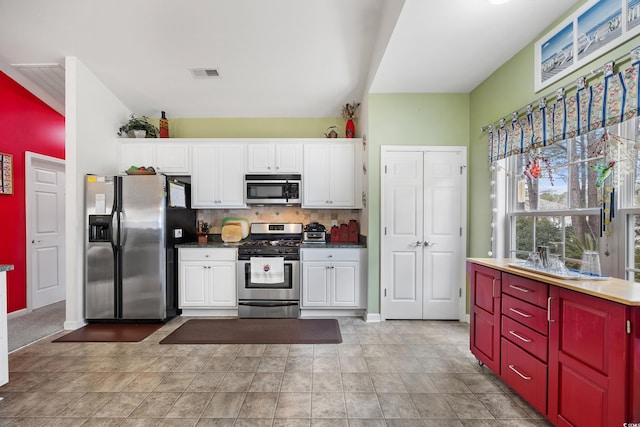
x=332, y=245
x=215, y=241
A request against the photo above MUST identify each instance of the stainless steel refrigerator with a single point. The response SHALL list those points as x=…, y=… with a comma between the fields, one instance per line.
x=133, y=223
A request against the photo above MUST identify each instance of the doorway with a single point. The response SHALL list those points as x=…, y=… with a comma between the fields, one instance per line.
x=423, y=232
x=45, y=207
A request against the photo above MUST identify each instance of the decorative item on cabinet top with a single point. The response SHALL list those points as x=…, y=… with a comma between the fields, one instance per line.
x=138, y=127
x=331, y=132
x=349, y=113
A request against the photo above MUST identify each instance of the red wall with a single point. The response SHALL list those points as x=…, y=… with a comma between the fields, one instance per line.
x=26, y=124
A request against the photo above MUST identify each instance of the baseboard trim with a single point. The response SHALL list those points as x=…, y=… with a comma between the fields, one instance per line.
x=73, y=325
x=17, y=313
x=373, y=318
x=213, y=312
x=306, y=312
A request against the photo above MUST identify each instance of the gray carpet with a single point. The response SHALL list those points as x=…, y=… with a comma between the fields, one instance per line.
x=28, y=328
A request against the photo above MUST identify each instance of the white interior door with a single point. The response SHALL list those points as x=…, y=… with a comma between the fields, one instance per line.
x=45, y=229
x=423, y=240
x=443, y=253
x=402, y=230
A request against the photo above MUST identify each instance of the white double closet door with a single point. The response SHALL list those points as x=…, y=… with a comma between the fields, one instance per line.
x=423, y=235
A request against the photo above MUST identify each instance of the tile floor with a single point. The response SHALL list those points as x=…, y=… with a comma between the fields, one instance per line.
x=395, y=373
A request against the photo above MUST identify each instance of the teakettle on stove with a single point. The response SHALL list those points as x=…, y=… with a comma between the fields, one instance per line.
x=315, y=233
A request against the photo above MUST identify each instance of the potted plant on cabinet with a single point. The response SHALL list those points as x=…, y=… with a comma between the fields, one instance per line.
x=138, y=127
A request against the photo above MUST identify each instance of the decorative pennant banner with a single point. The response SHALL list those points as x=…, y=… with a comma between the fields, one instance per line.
x=612, y=100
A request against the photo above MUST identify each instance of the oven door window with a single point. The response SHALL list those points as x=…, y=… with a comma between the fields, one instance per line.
x=287, y=284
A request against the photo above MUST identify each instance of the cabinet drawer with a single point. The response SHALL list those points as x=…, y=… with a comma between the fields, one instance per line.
x=188, y=254
x=525, y=374
x=525, y=289
x=330, y=254
x=525, y=338
x=525, y=313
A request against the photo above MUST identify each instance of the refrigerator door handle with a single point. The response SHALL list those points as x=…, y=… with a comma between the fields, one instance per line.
x=114, y=229
x=121, y=229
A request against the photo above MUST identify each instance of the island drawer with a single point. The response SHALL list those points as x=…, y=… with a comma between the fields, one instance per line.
x=528, y=314
x=525, y=338
x=525, y=289
x=525, y=374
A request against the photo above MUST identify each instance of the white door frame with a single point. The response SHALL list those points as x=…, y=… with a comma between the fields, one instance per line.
x=30, y=159
x=462, y=316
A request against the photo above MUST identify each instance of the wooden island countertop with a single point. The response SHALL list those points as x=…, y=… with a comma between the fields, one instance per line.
x=612, y=289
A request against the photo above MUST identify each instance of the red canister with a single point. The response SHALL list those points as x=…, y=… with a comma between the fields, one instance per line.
x=354, y=231
x=335, y=234
x=344, y=233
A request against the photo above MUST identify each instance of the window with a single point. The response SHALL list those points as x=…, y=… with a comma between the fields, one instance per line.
x=579, y=194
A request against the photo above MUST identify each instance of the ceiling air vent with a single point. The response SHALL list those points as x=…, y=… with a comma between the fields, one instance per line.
x=205, y=73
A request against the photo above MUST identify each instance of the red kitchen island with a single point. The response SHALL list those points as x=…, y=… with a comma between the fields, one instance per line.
x=571, y=348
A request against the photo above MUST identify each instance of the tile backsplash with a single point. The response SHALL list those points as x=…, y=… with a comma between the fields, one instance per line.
x=278, y=214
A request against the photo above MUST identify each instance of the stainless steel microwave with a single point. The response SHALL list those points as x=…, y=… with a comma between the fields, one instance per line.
x=272, y=189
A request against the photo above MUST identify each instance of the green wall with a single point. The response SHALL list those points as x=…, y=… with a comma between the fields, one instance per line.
x=253, y=127
x=508, y=89
x=406, y=119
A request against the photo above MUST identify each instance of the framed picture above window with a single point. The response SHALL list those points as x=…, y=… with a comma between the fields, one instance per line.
x=6, y=179
x=591, y=31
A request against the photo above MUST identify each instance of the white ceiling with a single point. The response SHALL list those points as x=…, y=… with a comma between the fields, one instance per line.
x=276, y=58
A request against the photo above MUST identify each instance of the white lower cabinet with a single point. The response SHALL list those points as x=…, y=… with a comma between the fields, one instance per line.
x=331, y=278
x=207, y=278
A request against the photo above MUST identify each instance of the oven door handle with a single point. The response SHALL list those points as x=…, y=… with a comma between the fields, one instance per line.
x=268, y=303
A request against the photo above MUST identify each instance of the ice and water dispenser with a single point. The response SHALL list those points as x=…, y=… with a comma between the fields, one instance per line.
x=100, y=229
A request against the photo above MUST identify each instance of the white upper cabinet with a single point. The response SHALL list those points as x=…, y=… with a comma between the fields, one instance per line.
x=217, y=179
x=171, y=158
x=136, y=154
x=276, y=158
x=331, y=178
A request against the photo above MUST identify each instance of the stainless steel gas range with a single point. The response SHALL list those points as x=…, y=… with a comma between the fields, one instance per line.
x=269, y=271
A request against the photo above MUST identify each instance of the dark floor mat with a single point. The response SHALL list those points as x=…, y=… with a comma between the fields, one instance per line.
x=256, y=331
x=111, y=332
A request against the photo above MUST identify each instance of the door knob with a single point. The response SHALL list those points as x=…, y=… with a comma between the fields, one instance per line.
x=418, y=243
x=427, y=243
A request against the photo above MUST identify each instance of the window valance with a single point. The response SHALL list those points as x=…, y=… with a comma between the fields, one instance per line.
x=609, y=101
